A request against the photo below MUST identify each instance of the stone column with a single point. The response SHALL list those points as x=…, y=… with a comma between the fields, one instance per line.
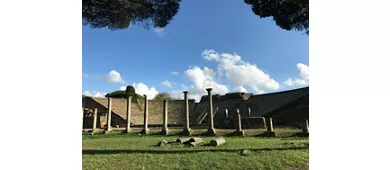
x=239, y=131
x=264, y=123
x=165, y=130
x=186, y=130
x=249, y=112
x=108, y=128
x=94, y=120
x=305, y=128
x=145, y=130
x=82, y=121
x=226, y=120
x=211, y=130
x=270, y=129
x=226, y=113
x=128, y=115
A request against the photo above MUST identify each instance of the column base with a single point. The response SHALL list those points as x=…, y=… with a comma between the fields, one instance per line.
x=126, y=131
x=269, y=134
x=302, y=134
x=186, y=132
x=107, y=131
x=240, y=133
x=211, y=132
x=90, y=132
x=145, y=131
x=165, y=131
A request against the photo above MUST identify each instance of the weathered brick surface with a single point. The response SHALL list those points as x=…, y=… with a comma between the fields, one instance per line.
x=265, y=103
x=260, y=105
x=253, y=122
x=176, y=111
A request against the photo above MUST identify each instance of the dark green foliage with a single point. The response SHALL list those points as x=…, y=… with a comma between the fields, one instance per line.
x=117, y=94
x=120, y=14
x=136, y=97
x=163, y=96
x=130, y=91
x=287, y=14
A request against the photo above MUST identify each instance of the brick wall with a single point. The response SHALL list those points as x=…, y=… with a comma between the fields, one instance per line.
x=260, y=105
x=176, y=111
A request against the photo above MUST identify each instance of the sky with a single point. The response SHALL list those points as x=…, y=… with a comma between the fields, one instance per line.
x=214, y=44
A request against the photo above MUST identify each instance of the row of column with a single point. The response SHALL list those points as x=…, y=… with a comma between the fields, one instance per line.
x=239, y=131
x=145, y=130
x=187, y=129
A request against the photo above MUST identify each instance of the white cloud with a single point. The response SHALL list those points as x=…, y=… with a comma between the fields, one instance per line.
x=177, y=94
x=304, y=76
x=257, y=90
x=239, y=89
x=142, y=89
x=175, y=73
x=304, y=71
x=240, y=73
x=113, y=77
x=85, y=75
x=201, y=80
x=295, y=81
x=94, y=94
x=159, y=31
x=167, y=83
x=210, y=55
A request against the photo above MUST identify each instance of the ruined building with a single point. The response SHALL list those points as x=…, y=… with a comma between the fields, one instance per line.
x=286, y=108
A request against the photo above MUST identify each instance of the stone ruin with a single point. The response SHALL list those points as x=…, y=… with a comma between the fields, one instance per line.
x=108, y=113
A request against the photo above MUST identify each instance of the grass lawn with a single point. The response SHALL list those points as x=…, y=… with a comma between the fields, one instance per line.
x=133, y=151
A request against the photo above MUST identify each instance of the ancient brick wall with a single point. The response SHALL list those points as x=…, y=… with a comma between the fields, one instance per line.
x=253, y=122
x=90, y=104
x=260, y=105
x=176, y=111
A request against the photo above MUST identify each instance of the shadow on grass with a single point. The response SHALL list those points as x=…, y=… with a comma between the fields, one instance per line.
x=294, y=138
x=129, y=151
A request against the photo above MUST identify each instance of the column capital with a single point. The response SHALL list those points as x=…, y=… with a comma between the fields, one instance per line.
x=185, y=91
x=209, y=89
x=145, y=96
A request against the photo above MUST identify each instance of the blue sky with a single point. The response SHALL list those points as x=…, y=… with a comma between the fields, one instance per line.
x=209, y=43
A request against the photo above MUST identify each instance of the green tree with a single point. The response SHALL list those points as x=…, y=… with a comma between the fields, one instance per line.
x=287, y=14
x=117, y=94
x=119, y=14
x=130, y=91
x=163, y=96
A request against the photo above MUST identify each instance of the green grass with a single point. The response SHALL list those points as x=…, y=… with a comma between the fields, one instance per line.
x=133, y=151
